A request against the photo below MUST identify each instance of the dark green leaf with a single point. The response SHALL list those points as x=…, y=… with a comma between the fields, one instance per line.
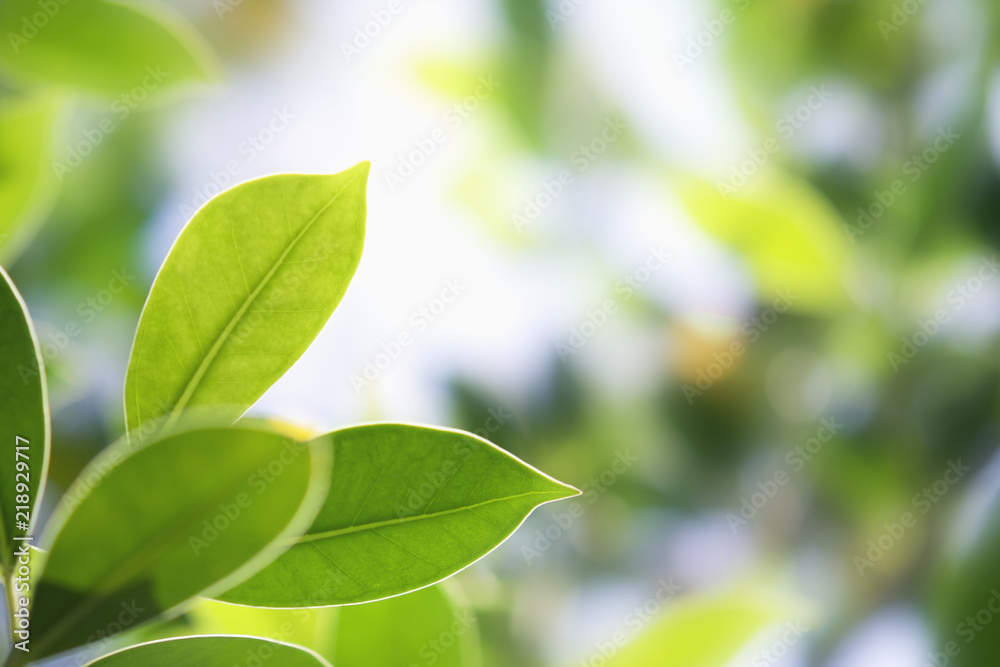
x=967, y=595
x=24, y=418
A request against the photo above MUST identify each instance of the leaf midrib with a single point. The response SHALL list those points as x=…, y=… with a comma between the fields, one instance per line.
x=209, y=359
x=315, y=537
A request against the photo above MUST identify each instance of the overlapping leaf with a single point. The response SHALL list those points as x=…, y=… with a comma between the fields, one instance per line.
x=137, y=536
x=247, y=286
x=426, y=626
x=24, y=420
x=102, y=46
x=212, y=651
x=408, y=507
x=27, y=182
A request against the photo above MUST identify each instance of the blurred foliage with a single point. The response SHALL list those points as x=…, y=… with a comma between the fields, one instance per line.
x=861, y=297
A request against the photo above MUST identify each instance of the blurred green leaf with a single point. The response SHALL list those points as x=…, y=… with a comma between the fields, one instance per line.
x=101, y=46
x=304, y=627
x=408, y=507
x=211, y=651
x=24, y=412
x=247, y=286
x=426, y=626
x=139, y=535
x=967, y=598
x=701, y=632
x=27, y=183
x=787, y=232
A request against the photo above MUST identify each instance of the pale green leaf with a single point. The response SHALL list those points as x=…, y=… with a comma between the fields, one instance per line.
x=408, y=507
x=790, y=236
x=106, y=47
x=247, y=286
x=140, y=534
x=24, y=418
x=212, y=651
x=27, y=182
x=304, y=627
x=702, y=631
x=427, y=627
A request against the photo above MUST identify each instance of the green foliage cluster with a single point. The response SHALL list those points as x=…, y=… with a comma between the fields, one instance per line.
x=187, y=505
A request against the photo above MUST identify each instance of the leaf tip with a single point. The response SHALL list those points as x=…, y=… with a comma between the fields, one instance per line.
x=568, y=490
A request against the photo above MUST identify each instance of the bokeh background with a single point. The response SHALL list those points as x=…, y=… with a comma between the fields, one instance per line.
x=728, y=267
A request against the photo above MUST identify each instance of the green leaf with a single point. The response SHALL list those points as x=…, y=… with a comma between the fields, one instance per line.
x=427, y=627
x=24, y=417
x=966, y=586
x=408, y=507
x=137, y=536
x=101, y=46
x=304, y=627
x=27, y=182
x=704, y=631
x=789, y=235
x=247, y=286
x=212, y=651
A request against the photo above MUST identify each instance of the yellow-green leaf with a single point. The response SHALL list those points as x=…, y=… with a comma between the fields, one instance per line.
x=106, y=47
x=247, y=286
x=789, y=235
x=27, y=182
